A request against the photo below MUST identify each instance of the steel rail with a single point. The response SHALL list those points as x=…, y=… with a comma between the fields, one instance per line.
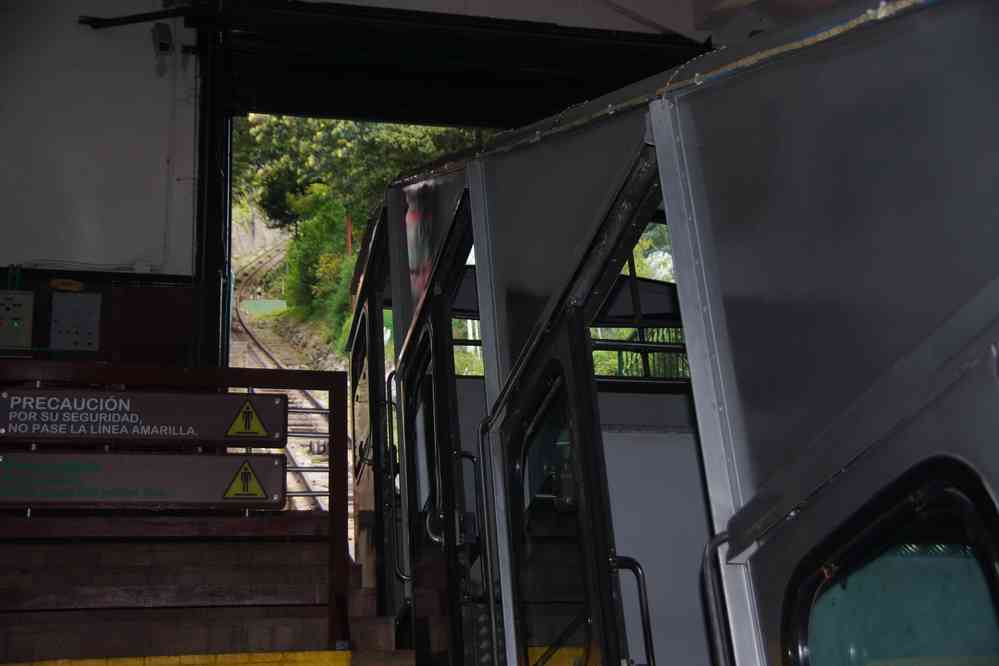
x=261, y=264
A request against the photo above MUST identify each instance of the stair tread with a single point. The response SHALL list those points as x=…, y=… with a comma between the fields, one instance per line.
x=382, y=657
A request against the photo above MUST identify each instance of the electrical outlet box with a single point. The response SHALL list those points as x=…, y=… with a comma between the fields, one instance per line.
x=17, y=311
x=76, y=321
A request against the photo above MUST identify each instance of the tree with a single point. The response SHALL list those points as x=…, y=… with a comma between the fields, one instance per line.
x=313, y=174
x=277, y=157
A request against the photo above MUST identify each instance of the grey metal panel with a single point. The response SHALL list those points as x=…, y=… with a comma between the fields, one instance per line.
x=545, y=202
x=816, y=203
x=645, y=411
x=660, y=518
x=658, y=299
x=466, y=300
x=402, y=298
x=961, y=423
x=496, y=365
x=143, y=480
x=418, y=216
x=703, y=322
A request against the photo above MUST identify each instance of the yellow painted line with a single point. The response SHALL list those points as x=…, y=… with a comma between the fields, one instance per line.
x=565, y=656
x=316, y=658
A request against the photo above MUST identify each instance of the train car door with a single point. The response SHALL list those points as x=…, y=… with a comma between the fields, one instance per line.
x=372, y=420
x=564, y=570
x=447, y=592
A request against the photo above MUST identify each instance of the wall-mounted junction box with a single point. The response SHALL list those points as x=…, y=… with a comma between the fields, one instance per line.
x=76, y=321
x=17, y=309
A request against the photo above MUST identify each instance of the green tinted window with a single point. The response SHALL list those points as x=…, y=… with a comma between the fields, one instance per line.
x=915, y=604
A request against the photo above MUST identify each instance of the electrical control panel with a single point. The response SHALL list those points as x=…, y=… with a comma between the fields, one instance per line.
x=76, y=321
x=17, y=311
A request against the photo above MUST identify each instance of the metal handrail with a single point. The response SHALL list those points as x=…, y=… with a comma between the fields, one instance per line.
x=308, y=410
x=479, y=514
x=436, y=538
x=304, y=434
x=627, y=345
x=711, y=573
x=632, y=565
x=314, y=469
x=308, y=493
x=393, y=470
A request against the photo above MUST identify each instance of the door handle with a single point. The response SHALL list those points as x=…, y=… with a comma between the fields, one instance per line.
x=632, y=565
x=472, y=458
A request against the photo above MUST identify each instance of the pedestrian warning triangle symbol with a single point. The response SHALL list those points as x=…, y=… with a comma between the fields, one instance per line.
x=247, y=423
x=245, y=485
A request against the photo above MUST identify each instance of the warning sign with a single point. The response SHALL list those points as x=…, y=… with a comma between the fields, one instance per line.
x=247, y=423
x=245, y=485
x=142, y=479
x=140, y=417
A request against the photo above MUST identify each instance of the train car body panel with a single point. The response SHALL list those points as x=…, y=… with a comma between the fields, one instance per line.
x=838, y=380
x=824, y=354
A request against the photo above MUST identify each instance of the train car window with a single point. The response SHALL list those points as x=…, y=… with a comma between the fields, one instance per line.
x=550, y=576
x=388, y=339
x=919, y=588
x=392, y=433
x=361, y=418
x=653, y=254
x=359, y=404
x=466, y=338
x=656, y=353
x=638, y=333
x=424, y=438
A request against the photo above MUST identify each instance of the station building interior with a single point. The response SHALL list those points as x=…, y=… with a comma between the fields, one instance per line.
x=691, y=359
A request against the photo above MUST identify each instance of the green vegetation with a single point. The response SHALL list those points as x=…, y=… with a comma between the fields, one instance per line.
x=320, y=177
x=653, y=254
x=264, y=307
x=467, y=358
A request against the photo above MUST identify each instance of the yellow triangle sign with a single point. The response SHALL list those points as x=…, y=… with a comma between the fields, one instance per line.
x=247, y=423
x=245, y=485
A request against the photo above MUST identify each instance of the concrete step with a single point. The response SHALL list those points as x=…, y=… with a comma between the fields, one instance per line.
x=383, y=658
x=439, y=632
x=363, y=602
x=356, y=576
x=427, y=602
x=98, y=634
x=372, y=633
x=61, y=577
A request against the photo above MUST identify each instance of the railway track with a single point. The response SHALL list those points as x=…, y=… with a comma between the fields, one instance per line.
x=308, y=479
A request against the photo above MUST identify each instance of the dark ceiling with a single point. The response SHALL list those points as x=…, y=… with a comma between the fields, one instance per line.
x=404, y=66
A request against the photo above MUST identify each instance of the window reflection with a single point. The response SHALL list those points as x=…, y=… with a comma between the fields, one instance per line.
x=551, y=576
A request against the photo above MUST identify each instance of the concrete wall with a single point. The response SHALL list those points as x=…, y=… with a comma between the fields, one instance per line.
x=98, y=140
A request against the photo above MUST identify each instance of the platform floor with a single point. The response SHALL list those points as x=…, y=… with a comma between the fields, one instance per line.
x=312, y=658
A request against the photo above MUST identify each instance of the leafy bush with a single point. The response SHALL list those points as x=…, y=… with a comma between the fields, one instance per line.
x=318, y=244
x=310, y=175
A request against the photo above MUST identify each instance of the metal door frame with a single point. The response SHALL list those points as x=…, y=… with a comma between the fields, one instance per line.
x=366, y=333
x=563, y=364
x=563, y=332
x=428, y=346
